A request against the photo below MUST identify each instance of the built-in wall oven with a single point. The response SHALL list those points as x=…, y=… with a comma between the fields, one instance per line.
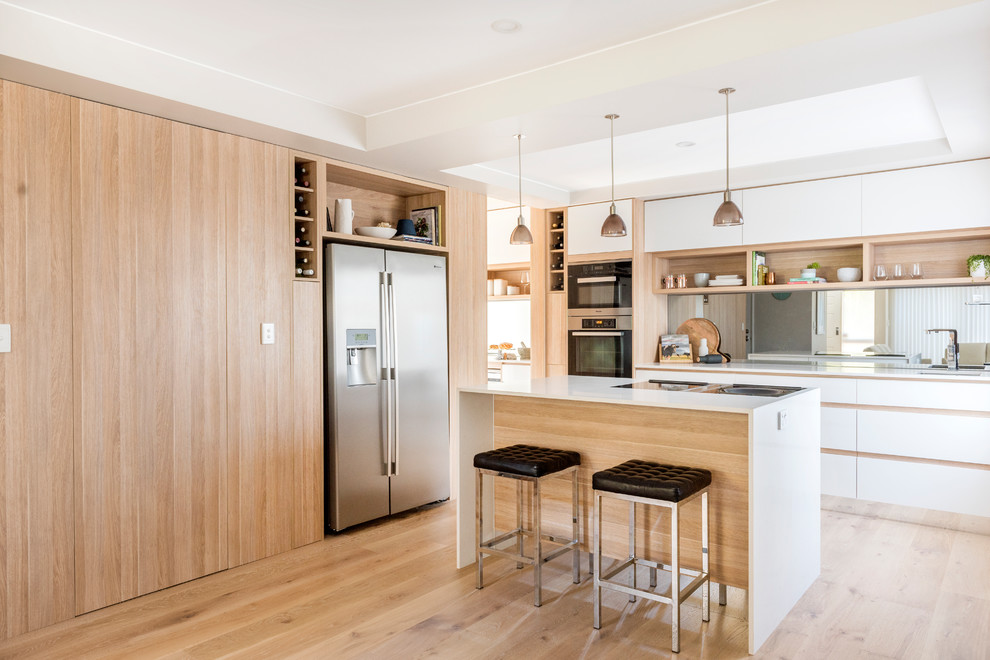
x=599, y=319
x=599, y=346
x=600, y=289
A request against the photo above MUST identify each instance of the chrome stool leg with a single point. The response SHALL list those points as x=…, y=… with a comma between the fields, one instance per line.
x=632, y=546
x=479, y=557
x=519, y=520
x=574, y=526
x=705, y=588
x=721, y=594
x=675, y=582
x=596, y=558
x=538, y=553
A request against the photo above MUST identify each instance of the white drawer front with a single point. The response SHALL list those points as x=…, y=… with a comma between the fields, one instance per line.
x=838, y=475
x=918, y=394
x=839, y=428
x=941, y=487
x=924, y=435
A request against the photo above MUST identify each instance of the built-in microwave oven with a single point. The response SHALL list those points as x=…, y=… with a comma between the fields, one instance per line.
x=602, y=288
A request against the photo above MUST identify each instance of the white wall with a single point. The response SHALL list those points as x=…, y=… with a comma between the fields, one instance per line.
x=508, y=320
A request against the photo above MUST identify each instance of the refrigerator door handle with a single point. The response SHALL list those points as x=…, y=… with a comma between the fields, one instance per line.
x=385, y=410
x=393, y=358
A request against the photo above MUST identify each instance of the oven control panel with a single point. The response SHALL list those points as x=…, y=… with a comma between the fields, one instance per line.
x=598, y=324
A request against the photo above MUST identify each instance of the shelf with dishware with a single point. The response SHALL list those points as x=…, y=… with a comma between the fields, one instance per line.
x=888, y=261
x=360, y=199
x=509, y=281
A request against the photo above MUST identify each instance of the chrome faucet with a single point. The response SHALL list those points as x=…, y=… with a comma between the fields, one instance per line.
x=951, y=362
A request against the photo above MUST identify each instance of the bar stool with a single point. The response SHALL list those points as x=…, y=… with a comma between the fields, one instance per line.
x=653, y=484
x=527, y=464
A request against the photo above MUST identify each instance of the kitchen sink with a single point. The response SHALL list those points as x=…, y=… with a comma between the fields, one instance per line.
x=706, y=388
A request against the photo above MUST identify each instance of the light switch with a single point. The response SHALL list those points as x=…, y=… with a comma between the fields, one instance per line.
x=5, y=338
x=267, y=333
x=781, y=420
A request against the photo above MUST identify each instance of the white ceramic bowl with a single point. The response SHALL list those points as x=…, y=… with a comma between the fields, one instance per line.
x=701, y=279
x=849, y=274
x=376, y=232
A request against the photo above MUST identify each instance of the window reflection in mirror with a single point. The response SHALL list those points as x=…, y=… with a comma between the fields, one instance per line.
x=882, y=325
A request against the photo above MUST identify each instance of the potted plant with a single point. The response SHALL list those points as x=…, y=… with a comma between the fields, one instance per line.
x=979, y=265
x=811, y=270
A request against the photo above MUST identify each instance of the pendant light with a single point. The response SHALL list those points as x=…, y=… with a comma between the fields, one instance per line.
x=521, y=234
x=613, y=225
x=728, y=214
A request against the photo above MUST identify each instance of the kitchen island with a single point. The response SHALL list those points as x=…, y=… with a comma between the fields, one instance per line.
x=763, y=453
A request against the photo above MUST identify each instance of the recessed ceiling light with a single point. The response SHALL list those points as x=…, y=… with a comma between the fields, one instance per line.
x=685, y=143
x=506, y=26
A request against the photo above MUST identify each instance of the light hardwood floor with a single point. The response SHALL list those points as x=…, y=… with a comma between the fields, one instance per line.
x=887, y=589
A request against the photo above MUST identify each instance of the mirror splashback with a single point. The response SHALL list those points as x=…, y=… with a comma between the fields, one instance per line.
x=838, y=321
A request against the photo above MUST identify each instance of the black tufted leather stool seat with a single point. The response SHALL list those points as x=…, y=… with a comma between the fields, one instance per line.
x=527, y=460
x=653, y=480
x=526, y=464
x=653, y=484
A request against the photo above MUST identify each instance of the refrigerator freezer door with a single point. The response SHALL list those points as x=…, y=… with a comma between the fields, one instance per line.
x=422, y=445
x=356, y=481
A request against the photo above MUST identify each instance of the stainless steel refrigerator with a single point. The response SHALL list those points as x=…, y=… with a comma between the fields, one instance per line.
x=387, y=409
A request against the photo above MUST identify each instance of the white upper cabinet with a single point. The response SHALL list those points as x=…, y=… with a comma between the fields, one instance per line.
x=953, y=196
x=584, y=228
x=830, y=208
x=500, y=226
x=685, y=223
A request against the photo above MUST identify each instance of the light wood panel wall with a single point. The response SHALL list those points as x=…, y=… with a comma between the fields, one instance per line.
x=36, y=521
x=538, y=292
x=307, y=414
x=649, y=309
x=556, y=334
x=261, y=487
x=148, y=354
x=467, y=302
x=606, y=435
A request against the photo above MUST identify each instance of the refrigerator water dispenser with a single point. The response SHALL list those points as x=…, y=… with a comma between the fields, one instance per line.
x=362, y=357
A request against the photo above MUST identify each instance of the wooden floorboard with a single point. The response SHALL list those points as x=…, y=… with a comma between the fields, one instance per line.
x=888, y=589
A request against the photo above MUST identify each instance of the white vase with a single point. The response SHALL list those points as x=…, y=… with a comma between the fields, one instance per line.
x=978, y=271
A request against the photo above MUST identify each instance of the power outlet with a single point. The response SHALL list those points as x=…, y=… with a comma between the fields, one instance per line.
x=267, y=333
x=781, y=420
x=5, y=338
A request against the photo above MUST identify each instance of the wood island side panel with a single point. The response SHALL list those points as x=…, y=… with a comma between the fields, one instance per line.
x=608, y=434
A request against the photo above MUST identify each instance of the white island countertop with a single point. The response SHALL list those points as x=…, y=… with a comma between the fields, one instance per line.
x=603, y=390
x=822, y=369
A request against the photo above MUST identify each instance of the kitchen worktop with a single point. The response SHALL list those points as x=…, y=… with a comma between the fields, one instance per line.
x=603, y=390
x=824, y=369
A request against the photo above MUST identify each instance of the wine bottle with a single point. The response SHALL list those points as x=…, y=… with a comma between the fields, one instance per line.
x=300, y=199
x=304, y=260
x=302, y=230
x=305, y=183
x=302, y=169
x=305, y=212
x=308, y=272
x=299, y=271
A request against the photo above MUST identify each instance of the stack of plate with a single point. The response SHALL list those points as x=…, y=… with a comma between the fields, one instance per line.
x=726, y=280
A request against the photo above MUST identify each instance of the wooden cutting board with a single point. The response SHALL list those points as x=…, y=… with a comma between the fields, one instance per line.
x=697, y=328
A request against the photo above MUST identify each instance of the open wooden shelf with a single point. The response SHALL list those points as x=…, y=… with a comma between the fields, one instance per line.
x=942, y=255
x=520, y=296
x=307, y=206
x=371, y=241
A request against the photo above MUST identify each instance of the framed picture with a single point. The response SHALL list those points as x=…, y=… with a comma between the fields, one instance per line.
x=427, y=223
x=675, y=348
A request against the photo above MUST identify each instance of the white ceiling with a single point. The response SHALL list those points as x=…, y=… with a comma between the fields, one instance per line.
x=428, y=89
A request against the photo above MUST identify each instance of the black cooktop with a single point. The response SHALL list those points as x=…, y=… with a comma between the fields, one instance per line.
x=707, y=388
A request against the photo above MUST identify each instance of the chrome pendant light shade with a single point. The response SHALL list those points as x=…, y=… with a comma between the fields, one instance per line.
x=521, y=234
x=728, y=214
x=613, y=225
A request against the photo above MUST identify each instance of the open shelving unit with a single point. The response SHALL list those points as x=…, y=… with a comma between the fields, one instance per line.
x=513, y=273
x=942, y=255
x=377, y=197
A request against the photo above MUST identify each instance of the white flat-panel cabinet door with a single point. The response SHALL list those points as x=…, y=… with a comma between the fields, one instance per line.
x=830, y=208
x=953, y=196
x=501, y=222
x=685, y=223
x=584, y=228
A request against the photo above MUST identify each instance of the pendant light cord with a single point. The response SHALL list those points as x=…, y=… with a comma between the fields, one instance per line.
x=727, y=141
x=519, y=138
x=611, y=154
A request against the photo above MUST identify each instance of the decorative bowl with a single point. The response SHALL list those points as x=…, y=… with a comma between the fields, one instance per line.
x=376, y=232
x=849, y=274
